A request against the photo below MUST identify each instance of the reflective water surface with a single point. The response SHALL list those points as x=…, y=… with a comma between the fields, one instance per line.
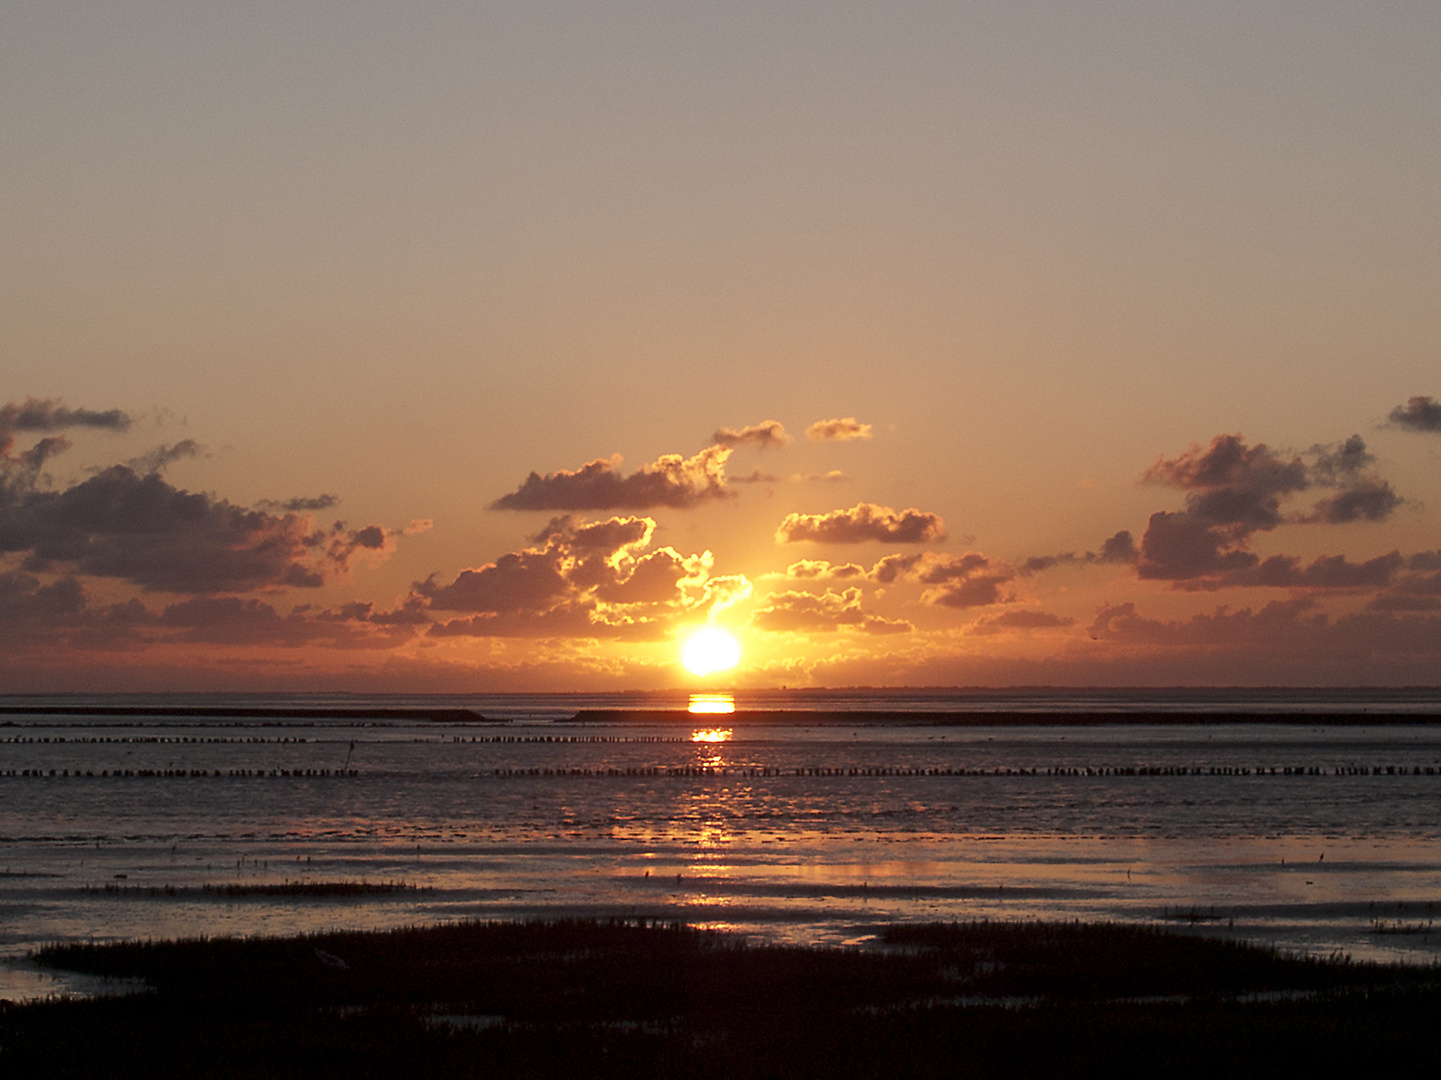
x=1316, y=836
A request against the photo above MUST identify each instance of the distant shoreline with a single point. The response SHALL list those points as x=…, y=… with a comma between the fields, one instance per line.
x=838, y=717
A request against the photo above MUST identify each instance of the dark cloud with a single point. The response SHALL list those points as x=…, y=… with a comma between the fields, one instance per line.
x=1326, y=572
x=1120, y=548
x=23, y=598
x=242, y=621
x=1234, y=491
x=1418, y=414
x=1369, y=500
x=141, y=529
x=531, y=580
x=1184, y=546
x=980, y=591
x=35, y=414
x=300, y=505
x=1288, y=641
x=1402, y=602
x=765, y=434
x=671, y=481
x=937, y=569
x=1232, y=486
x=956, y=581
x=1117, y=549
x=843, y=429
x=1336, y=464
x=862, y=522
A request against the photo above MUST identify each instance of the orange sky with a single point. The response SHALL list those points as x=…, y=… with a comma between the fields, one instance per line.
x=497, y=348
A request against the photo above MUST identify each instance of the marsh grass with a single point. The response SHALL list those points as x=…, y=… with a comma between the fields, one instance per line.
x=635, y=998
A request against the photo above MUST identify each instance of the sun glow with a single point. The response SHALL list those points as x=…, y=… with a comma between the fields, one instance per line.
x=709, y=650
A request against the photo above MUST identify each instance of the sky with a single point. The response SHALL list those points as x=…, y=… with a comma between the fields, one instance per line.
x=501, y=346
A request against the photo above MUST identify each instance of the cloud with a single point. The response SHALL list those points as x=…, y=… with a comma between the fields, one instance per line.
x=1120, y=548
x=820, y=569
x=1336, y=464
x=1418, y=414
x=247, y=621
x=300, y=505
x=891, y=568
x=979, y=591
x=119, y=524
x=862, y=522
x=767, y=433
x=1020, y=620
x=1326, y=572
x=957, y=581
x=671, y=481
x=1371, y=500
x=36, y=414
x=841, y=430
x=1232, y=486
x=800, y=611
x=588, y=579
x=1286, y=641
x=156, y=460
x=20, y=470
x=1234, y=490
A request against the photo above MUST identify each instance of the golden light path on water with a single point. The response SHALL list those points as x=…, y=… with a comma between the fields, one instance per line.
x=712, y=703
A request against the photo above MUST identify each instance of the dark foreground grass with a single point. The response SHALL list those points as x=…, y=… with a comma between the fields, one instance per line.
x=634, y=1000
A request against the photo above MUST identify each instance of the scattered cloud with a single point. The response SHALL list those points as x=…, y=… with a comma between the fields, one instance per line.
x=844, y=429
x=300, y=505
x=156, y=460
x=861, y=523
x=1419, y=414
x=48, y=414
x=127, y=522
x=672, y=480
x=819, y=569
x=119, y=524
x=591, y=579
x=1020, y=620
x=1234, y=491
x=803, y=611
x=768, y=433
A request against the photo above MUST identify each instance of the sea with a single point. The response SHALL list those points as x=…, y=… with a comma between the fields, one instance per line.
x=1309, y=820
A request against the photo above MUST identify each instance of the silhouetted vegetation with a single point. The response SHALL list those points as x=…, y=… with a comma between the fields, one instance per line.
x=629, y=998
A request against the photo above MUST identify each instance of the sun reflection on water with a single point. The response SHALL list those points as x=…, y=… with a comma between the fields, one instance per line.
x=712, y=703
x=711, y=735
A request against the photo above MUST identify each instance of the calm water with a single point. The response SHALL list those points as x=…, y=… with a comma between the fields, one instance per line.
x=1312, y=836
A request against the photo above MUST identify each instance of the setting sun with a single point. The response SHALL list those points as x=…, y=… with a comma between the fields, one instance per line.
x=710, y=650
